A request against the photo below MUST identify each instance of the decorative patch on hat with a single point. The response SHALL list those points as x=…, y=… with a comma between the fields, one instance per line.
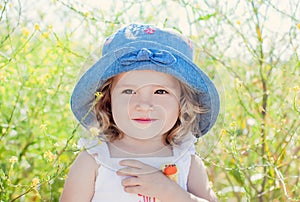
x=108, y=40
x=149, y=30
x=132, y=31
x=129, y=35
x=190, y=43
x=94, y=131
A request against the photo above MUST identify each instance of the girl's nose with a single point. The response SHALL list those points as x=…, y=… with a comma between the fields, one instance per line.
x=144, y=107
x=143, y=104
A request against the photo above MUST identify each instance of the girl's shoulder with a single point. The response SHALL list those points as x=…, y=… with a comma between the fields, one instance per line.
x=83, y=171
x=85, y=157
x=85, y=162
x=94, y=148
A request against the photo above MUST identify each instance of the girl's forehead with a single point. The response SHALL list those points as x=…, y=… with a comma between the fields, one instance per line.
x=145, y=77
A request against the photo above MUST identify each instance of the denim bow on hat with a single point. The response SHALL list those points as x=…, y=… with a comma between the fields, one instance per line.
x=158, y=57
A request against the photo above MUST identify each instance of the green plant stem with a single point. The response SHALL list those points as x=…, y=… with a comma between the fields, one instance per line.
x=263, y=110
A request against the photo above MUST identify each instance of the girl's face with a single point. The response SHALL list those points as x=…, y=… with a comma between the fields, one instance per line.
x=145, y=103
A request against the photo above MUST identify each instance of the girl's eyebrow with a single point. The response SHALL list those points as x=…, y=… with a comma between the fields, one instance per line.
x=126, y=86
x=167, y=85
x=134, y=86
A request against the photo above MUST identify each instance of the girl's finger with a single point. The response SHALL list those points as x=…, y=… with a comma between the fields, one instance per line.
x=128, y=171
x=130, y=182
x=132, y=163
x=133, y=189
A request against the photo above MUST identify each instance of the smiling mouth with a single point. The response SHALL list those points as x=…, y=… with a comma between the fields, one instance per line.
x=144, y=120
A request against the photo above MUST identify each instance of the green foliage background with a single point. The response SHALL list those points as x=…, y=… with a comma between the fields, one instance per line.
x=252, y=154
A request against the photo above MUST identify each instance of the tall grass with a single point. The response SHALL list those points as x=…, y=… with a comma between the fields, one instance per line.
x=252, y=154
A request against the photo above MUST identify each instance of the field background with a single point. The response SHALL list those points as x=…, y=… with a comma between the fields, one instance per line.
x=250, y=48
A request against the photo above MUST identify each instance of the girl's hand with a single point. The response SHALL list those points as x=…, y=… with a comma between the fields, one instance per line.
x=144, y=179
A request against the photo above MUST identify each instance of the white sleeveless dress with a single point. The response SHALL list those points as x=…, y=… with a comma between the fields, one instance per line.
x=108, y=186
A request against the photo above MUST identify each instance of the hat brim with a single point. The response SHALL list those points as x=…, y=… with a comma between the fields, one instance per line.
x=108, y=66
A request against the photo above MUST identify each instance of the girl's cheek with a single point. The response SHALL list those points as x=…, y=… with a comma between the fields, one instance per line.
x=123, y=99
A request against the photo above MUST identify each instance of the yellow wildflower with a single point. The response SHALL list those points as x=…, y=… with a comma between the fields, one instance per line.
x=238, y=22
x=35, y=181
x=94, y=131
x=283, y=121
x=50, y=27
x=233, y=124
x=238, y=83
x=223, y=132
x=49, y=156
x=13, y=159
x=67, y=106
x=50, y=91
x=99, y=95
x=2, y=77
x=298, y=25
x=87, y=14
x=296, y=88
x=45, y=35
x=25, y=31
x=37, y=27
x=258, y=32
x=43, y=126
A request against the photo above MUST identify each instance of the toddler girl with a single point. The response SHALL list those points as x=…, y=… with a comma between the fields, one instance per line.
x=146, y=101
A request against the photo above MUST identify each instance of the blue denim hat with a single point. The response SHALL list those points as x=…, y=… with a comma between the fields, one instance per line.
x=144, y=47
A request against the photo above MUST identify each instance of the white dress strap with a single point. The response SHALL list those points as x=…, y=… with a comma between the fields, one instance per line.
x=94, y=147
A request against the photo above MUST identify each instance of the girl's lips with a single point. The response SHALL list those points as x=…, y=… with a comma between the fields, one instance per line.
x=144, y=120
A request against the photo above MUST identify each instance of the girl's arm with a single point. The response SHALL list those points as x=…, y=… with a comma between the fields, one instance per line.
x=146, y=180
x=198, y=183
x=80, y=183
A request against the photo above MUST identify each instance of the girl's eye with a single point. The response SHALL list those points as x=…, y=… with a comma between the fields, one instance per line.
x=128, y=91
x=160, y=91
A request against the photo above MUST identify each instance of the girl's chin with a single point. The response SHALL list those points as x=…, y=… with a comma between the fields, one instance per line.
x=142, y=136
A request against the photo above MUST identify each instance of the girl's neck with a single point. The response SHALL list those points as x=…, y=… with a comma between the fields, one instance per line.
x=132, y=147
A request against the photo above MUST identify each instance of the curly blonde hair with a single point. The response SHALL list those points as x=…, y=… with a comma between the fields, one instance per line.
x=187, y=119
